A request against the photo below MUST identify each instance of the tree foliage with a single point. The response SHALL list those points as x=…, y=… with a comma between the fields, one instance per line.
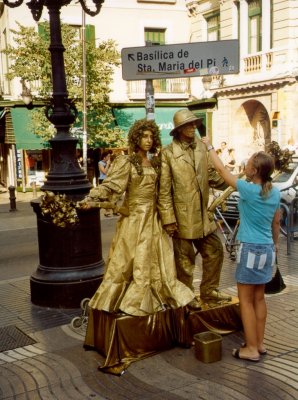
x=30, y=60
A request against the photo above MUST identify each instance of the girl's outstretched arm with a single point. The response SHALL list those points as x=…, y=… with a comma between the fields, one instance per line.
x=229, y=178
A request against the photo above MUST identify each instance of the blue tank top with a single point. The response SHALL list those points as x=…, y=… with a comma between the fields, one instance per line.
x=256, y=213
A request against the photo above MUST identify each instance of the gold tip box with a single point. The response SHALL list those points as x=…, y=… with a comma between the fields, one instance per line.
x=208, y=346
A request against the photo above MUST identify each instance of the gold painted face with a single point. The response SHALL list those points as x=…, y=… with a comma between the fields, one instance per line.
x=187, y=131
x=146, y=141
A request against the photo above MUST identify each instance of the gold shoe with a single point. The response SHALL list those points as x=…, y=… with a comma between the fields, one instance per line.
x=195, y=304
x=216, y=295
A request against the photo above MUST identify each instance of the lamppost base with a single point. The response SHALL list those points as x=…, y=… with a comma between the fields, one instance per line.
x=70, y=260
x=47, y=293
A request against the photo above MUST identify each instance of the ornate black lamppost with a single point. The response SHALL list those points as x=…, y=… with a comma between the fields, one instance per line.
x=71, y=264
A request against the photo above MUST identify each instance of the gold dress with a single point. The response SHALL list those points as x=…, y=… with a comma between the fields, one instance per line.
x=140, y=277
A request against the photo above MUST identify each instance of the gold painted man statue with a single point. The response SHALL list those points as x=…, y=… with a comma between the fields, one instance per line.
x=186, y=176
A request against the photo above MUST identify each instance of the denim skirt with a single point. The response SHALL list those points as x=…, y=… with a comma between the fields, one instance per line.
x=255, y=263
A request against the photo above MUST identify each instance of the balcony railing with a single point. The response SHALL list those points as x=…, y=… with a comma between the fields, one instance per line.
x=163, y=88
x=258, y=62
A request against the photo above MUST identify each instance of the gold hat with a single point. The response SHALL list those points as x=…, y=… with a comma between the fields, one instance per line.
x=183, y=117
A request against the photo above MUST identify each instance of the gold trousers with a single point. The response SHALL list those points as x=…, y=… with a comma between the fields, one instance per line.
x=211, y=250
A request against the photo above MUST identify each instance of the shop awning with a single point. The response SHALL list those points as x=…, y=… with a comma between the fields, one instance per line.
x=125, y=117
x=23, y=131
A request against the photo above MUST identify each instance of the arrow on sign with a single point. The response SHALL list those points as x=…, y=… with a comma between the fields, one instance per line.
x=131, y=57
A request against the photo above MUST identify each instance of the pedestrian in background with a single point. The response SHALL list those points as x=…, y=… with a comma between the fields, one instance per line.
x=231, y=164
x=104, y=165
x=258, y=235
x=224, y=155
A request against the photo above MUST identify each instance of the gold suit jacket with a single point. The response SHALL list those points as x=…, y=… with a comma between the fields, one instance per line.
x=184, y=189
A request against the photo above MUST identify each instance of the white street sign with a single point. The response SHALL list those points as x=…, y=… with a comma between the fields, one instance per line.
x=180, y=60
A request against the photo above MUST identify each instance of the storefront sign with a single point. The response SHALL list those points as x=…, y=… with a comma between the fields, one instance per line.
x=19, y=161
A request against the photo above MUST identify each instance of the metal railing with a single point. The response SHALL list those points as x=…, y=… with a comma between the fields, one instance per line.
x=258, y=62
x=289, y=221
x=177, y=86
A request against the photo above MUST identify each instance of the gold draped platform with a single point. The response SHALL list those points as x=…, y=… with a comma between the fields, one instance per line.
x=123, y=339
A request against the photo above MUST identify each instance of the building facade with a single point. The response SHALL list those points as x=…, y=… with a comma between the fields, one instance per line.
x=259, y=104
x=247, y=110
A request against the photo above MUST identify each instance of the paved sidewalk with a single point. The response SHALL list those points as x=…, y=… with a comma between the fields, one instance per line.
x=56, y=366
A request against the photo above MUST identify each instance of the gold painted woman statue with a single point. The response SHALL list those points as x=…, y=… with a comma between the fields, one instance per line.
x=140, y=277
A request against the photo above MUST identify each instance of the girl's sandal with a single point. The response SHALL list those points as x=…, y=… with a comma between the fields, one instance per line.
x=262, y=353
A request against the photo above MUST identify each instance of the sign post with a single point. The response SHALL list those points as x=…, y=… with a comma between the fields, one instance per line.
x=150, y=100
x=149, y=95
x=180, y=60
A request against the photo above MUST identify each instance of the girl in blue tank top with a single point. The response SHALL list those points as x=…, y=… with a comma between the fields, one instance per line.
x=258, y=235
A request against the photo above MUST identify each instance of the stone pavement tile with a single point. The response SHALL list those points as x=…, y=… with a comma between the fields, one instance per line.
x=18, y=310
x=54, y=339
x=113, y=387
x=66, y=371
x=58, y=367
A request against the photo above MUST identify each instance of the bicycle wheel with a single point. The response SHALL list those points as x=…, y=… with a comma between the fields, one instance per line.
x=283, y=220
x=84, y=303
x=234, y=249
x=76, y=322
x=233, y=242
